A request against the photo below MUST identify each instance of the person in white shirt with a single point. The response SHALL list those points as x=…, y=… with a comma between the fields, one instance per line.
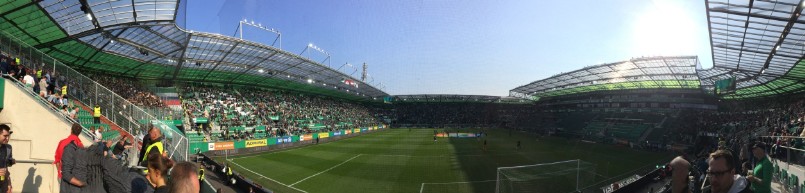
x=28, y=80
x=98, y=135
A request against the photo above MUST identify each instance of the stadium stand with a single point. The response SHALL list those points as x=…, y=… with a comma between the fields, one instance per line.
x=650, y=103
x=258, y=114
x=30, y=117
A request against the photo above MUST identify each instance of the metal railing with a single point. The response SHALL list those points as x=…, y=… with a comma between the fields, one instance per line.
x=44, y=103
x=83, y=89
x=789, y=155
x=51, y=181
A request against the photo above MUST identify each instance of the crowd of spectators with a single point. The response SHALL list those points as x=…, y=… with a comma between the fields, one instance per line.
x=128, y=89
x=444, y=114
x=281, y=112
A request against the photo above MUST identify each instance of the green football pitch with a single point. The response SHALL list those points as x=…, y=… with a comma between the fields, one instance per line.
x=399, y=160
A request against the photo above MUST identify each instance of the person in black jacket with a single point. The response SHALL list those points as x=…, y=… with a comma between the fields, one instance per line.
x=6, y=158
x=146, y=141
x=73, y=168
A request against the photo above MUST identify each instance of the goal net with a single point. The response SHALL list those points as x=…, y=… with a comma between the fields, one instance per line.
x=559, y=177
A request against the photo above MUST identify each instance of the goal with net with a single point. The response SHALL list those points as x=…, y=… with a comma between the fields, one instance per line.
x=560, y=177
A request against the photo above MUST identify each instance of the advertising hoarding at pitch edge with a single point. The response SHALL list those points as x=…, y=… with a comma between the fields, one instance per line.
x=221, y=146
x=256, y=143
x=284, y=140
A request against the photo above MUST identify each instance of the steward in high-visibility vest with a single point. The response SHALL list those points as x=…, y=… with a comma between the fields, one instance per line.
x=158, y=145
x=39, y=74
x=201, y=173
x=97, y=114
x=64, y=90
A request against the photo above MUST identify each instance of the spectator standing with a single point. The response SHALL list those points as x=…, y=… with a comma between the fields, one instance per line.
x=28, y=80
x=679, y=175
x=721, y=173
x=156, y=144
x=146, y=141
x=184, y=178
x=761, y=175
x=158, y=167
x=6, y=158
x=98, y=135
x=4, y=65
x=43, y=87
x=97, y=114
x=67, y=162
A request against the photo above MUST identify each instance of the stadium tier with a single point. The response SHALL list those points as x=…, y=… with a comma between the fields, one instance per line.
x=102, y=95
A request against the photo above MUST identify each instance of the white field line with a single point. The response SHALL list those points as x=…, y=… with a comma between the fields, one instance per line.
x=422, y=188
x=261, y=175
x=464, y=182
x=328, y=169
x=273, y=152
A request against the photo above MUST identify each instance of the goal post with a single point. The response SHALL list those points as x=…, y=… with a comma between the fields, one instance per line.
x=561, y=177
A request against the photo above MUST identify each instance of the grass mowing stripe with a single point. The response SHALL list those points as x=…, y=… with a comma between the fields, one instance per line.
x=262, y=176
x=328, y=169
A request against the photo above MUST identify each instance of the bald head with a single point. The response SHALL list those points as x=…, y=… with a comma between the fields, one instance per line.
x=184, y=178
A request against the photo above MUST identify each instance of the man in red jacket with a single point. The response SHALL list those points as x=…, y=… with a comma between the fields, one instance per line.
x=72, y=183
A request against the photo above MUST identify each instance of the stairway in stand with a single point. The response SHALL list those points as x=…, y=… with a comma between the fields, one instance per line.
x=169, y=96
x=109, y=131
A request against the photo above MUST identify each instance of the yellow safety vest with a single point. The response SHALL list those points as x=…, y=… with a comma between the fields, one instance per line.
x=97, y=112
x=18, y=61
x=159, y=147
x=64, y=90
x=39, y=74
x=228, y=171
x=201, y=173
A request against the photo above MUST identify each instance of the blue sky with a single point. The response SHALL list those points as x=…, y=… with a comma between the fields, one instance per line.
x=467, y=47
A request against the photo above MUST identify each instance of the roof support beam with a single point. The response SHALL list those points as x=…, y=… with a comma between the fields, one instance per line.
x=218, y=63
x=181, y=57
x=21, y=30
x=146, y=62
x=252, y=67
x=102, y=47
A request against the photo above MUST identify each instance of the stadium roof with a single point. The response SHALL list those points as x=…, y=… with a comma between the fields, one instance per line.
x=445, y=98
x=140, y=39
x=760, y=43
x=650, y=72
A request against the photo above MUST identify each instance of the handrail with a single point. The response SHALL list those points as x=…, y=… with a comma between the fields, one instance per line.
x=35, y=161
x=114, y=103
x=47, y=104
x=791, y=137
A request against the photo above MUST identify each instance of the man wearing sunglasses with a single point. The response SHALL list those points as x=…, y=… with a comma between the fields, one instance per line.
x=721, y=175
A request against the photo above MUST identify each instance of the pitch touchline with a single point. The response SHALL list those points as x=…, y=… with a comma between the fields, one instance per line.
x=261, y=175
x=328, y=169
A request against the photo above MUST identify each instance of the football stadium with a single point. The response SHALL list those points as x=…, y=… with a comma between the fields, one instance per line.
x=448, y=96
